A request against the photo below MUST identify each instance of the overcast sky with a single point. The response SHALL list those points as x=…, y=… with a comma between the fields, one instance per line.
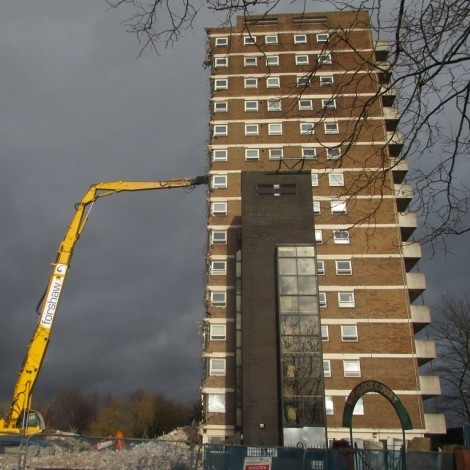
x=77, y=107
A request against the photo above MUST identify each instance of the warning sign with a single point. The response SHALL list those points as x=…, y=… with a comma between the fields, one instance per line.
x=257, y=463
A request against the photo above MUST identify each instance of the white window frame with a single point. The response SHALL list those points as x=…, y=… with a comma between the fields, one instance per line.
x=326, y=80
x=275, y=128
x=218, y=332
x=275, y=105
x=301, y=59
x=303, y=81
x=276, y=153
x=250, y=82
x=251, y=129
x=325, y=333
x=219, y=155
x=328, y=103
x=273, y=82
x=329, y=405
x=326, y=368
x=333, y=153
x=218, y=181
x=221, y=84
x=220, y=62
x=221, y=42
x=219, y=208
x=349, y=333
x=220, y=106
x=325, y=58
x=318, y=236
x=217, y=366
x=305, y=104
x=307, y=128
x=216, y=403
x=271, y=39
x=218, y=298
x=300, y=39
x=251, y=154
x=220, y=130
x=316, y=207
x=336, y=179
x=346, y=300
x=346, y=269
x=322, y=299
x=352, y=367
x=272, y=60
x=338, y=206
x=251, y=105
x=309, y=153
x=218, y=237
x=249, y=40
x=315, y=180
x=218, y=267
x=250, y=61
x=323, y=37
x=339, y=237
x=321, y=267
x=331, y=127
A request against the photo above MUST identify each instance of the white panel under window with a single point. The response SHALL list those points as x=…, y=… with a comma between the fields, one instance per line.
x=326, y=80
x=218, y=298
x=275, y=129
x=223, y=41
x=336, y=179
x=272, y=60
x=249, y=40
x=352, y=368
x=221, y=84
x=346, y=299
x=219, y=237
x=251, y=82
x=251, y=129
x=218, y=332
x=314, y=179
x=271, y=39
x=251, y=154
x=300, y=39
x=305, y=105
x=309, y=152
x=318, y=236
x=338, y=206
x=218, y=267
x=349, y=333
x=331, y=127
x=216, y=366
x=329, y=406
x=219, y=181
x=251, y=105
x=219, y=208
x=220, y=130
x=341, y=236
x=343, y=267
x=215, y=403
x=219, y=155
x=221, y=62
x=276, y=153
x=320, y=266
x=220, y=106
x=333, y=153
x=273, y=82
x=274, y=105
x=250, y=61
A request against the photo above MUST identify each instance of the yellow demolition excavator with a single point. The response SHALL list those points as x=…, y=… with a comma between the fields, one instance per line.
x=21, y=419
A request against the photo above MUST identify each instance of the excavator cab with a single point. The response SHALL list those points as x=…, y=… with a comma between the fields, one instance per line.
x=33, y=422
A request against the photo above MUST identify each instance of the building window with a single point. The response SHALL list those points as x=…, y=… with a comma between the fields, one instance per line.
x=328, y=103
x=272, y=60
x=273, y=82
x=251, y=82
x=338, y=206
x=352, y=368
x=346, y=299
x=318, y=236
x=323, y=37
x=218, y=332
x=223, y=41
x=309, y=152
x=221, y=84
x=349, y=333
x=250, y=61
x=333, y=153
x=219, y=208
x=325, y=333
x=336, y=179
x=322, y=299
x=216, y=366
x=274, y=105
x=249, y=40
x=220, y=106
x=221, y=62
x=219, y=181
x=219, y=155
x=218, y=268
x=326, y=80
x=251, y=105
x=220, y=129
x=314, y=179
x=327, y=368
x=329, y=406
x=251, y=129
x=343, y=267
x=276, y=153
x=219, y=237
x=331, y=127
x=271, y=39
x=324, y=59
x=359, y=407
x=275, y=129
x=321, y=267
x=300, y=39
x=303, y=81
x=307, y=128
x=215, y=403
x=301, y=59
x=316, y=207
x=341, y=236
x=305, y=105
x=251, y=154
x=218, y=298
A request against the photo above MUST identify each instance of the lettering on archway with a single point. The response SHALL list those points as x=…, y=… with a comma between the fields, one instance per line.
x=372, y=386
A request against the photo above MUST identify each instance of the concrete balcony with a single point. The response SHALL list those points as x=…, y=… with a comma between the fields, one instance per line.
x=430, y=386
x=435, y=423
x=416, y=284
x=388, y=95
x=411, y=253
x=395, y=141
x=399, y=168
x=408, y=224
x=425, y=351
x=404, y=195
x=391, y=113
x=420, y=317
